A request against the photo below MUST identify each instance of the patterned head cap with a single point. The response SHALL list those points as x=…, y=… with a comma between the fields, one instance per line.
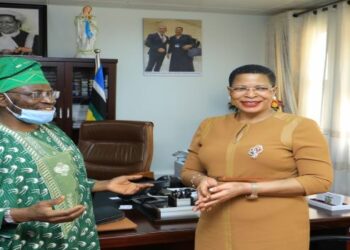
x=17, y=72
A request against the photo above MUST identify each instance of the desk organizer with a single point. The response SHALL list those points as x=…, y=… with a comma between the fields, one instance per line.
x=321, y=204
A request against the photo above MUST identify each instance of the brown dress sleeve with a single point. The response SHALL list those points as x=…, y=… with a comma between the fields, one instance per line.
x=312, y=158
x=193, y=166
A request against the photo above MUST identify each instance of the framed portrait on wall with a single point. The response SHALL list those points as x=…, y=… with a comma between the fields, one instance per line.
x=23, y=29
x=172, y=46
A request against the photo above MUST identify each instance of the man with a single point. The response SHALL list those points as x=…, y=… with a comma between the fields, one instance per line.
x=157, y=48
x=13, y=40
x=45, y=196
x=179, y=44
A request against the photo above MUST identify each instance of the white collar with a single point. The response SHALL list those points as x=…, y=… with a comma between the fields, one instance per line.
x=16, y=33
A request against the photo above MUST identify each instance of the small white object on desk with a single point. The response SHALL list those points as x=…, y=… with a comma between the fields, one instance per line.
x=125, y=207
x=114, y=198
x=329, y=201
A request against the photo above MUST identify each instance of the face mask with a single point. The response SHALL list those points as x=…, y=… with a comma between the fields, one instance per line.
x=32, y=116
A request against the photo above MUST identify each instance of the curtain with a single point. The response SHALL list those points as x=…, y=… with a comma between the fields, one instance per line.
x=325, y=80
x=321, y=78
x=281, y=58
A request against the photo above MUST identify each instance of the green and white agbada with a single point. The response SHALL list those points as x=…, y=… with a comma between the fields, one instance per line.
x=41, y=165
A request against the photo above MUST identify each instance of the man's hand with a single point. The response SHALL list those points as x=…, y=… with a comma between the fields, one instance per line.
x=161, y=50
x=23, y=50
x=123, y=184
x=43, y=211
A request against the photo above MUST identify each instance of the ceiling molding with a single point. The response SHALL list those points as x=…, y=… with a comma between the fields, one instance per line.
x=251, y=7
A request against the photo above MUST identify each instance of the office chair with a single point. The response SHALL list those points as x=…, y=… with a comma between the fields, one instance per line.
x=114, y=147
x=329, y=242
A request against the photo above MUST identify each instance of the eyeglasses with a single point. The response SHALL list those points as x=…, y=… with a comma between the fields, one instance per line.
x=37, y=95
x=245, y=89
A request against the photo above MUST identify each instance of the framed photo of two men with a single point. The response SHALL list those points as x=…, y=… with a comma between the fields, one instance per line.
x=172, y=46
x=23, y=29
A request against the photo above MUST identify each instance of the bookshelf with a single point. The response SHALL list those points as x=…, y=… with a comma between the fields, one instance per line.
x=73, y=77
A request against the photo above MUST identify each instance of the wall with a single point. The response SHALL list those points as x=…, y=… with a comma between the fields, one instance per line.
x=176, y=105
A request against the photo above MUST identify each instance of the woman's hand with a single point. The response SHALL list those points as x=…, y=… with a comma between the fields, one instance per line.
x=123, y=185
x=43, y=211
x=203, y=193
x=221, y=193
x=161, y=50
x=187, y=47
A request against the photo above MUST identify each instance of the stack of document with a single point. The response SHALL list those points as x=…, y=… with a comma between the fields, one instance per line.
x=158, y=209
x=329, y=201
x=174, y=213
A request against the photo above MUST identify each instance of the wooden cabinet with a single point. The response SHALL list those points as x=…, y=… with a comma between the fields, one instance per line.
x=73, y=77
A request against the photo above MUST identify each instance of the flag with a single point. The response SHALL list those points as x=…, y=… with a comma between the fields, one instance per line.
x=98, y=104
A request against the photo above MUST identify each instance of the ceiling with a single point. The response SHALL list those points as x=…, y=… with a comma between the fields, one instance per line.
x=255, y=7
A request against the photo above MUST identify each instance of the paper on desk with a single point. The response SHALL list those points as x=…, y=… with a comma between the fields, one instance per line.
x=125, y=207
x=114, y=198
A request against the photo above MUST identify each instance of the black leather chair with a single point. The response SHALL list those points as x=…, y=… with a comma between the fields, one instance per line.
x=329, y=242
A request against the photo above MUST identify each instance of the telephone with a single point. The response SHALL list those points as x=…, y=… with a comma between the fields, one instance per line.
x=163, y=183
x=171, y=181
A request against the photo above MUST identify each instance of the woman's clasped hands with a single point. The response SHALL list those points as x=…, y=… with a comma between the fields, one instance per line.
x=211, y=192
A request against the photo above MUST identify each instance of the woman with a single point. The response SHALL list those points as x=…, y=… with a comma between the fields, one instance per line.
x=253, y=168
x=179, y=44
x=45, y=199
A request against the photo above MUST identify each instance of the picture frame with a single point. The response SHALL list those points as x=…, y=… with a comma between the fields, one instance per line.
x=181, y=43
x=26, y=25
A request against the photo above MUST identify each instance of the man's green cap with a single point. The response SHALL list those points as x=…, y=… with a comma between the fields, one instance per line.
x=17, y=72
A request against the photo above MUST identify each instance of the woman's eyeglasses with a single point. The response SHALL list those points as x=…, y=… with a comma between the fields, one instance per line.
x=37, y=95
x=245, y=89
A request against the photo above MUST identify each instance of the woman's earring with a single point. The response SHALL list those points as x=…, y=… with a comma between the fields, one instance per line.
x=231, y=106
x=276, y=104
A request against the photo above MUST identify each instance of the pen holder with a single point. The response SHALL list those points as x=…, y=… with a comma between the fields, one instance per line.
x=180, y=198
x=179, y=202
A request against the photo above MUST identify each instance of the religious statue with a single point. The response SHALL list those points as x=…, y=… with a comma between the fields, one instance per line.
x=86, y=27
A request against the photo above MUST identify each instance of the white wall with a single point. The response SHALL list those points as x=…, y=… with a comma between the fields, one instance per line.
x=176, y=105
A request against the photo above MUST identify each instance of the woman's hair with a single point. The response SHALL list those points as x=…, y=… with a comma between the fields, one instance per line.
x=253, y=69
x=250, y=69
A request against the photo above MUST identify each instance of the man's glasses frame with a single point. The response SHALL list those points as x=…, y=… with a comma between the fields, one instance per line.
x=38, y=95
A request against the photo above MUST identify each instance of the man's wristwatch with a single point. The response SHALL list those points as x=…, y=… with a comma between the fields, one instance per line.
x=8, y=218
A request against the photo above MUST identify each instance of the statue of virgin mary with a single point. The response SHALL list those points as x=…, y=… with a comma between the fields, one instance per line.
x=86, y=27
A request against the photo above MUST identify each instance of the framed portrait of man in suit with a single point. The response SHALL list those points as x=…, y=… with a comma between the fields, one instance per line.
x=172, y=46
x=23, y=29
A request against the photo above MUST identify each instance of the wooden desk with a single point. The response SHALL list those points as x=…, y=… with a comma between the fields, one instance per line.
x=148, y=235
x=180, y=235
x=321, y=219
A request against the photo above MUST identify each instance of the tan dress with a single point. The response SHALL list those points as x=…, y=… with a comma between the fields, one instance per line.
x=292, y=147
